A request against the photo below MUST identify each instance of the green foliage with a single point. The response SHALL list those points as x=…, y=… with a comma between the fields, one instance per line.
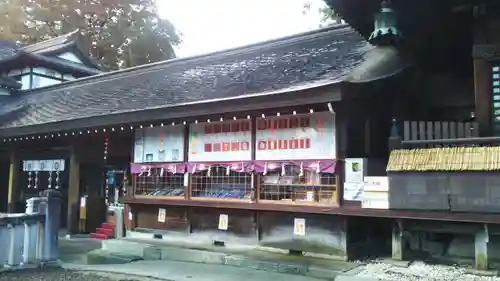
x=118, y=33
x=328, y=15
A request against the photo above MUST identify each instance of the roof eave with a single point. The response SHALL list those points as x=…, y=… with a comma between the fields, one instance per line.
x=61, y=65
x=322, y=94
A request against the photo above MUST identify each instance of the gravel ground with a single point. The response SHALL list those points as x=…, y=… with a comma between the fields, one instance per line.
x=419, y=271
x=57, y=274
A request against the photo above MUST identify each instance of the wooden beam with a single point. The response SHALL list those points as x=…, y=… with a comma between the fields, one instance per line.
x=322, y=209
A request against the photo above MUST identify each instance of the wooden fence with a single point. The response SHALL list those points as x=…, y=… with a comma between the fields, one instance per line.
x=428, y=130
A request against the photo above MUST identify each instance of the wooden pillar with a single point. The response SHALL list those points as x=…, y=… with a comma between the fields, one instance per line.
x=13, y=192
x=481, y=240
x=73, y=191
x=486, y=49
x=129, y=218
x=482, y=95
x=397, y=240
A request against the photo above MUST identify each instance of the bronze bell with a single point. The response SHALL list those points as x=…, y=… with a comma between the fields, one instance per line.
x=385, y=24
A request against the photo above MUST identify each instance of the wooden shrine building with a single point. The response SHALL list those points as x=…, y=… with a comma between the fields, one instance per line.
x=284, y=143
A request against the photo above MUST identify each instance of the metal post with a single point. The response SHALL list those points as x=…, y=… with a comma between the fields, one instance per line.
x=52, y=219
x=12, y=241
x=39, y=241
x=118, y=211
x=27, y=240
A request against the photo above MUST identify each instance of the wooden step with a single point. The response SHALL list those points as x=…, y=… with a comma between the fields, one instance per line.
x=105, y=231
x=107, y=225
x=98, y=236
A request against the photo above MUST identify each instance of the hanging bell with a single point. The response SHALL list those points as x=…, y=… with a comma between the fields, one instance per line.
x=385, y=25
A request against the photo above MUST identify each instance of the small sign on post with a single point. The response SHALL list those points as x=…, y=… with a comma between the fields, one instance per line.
x=162, y=213
x=299, y=227
x=223, y=221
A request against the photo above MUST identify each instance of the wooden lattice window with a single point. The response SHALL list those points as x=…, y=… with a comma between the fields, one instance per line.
x=296, y=186
x=221, y=183
x=155, y=182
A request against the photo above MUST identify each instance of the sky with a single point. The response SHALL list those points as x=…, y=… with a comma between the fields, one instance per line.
x=209, y=26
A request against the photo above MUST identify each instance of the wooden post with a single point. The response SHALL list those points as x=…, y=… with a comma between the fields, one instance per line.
x=73, y=191
x=481, y=240
x=257, y=181
x=188, y=189
x=397, y=240
x=13, y=192
x=482, y=95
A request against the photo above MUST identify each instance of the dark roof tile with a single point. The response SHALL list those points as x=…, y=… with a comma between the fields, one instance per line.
x=325, y=55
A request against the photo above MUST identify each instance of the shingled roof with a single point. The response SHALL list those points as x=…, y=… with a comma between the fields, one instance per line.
x=12, y=55
x=320, y=57
x=52, y=44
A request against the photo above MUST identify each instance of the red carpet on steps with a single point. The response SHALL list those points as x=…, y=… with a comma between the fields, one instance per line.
x=104, y=232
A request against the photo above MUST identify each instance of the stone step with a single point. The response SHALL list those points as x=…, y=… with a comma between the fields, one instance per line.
x=100, y=256
x=251, y=259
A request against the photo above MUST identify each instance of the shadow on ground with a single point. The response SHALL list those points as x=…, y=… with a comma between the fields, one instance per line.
x=76, y=250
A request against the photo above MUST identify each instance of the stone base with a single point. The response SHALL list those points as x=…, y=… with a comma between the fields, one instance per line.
x=243, y=257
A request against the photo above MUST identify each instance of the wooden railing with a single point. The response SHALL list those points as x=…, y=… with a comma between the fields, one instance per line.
x=428, y=130
x=427, y=134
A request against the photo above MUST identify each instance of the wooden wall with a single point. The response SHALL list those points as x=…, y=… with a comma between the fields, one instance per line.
x=445, y=191
x=325, y=234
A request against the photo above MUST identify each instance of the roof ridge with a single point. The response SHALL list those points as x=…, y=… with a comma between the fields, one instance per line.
x=52, y=39
x=304, y=36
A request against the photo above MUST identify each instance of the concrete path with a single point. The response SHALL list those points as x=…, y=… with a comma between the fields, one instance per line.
x=180, y=271
x=75, y=250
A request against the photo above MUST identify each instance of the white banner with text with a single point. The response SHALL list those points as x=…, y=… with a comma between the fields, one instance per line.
x=159, y=144
x=296, y=137
x=220, y=141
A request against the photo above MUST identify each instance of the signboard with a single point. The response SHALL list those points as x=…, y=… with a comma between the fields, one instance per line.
x=159, y=144
x=162, y=213
x=220, y=141
x=299, y=227
x=43, y=165
x=223, y=221
x=375, y=193
x=355, y=170
x=353, y=191
x=376, y=184
x=296, y=137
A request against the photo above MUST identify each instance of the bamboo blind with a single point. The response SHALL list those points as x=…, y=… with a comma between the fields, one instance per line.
x=445, y=159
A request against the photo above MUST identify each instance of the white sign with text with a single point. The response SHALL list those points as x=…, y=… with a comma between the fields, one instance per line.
x=296, y=137
x=43, y=165
x=299, y=226
x=159, y=144
x=220, y=141
x=223, y=221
